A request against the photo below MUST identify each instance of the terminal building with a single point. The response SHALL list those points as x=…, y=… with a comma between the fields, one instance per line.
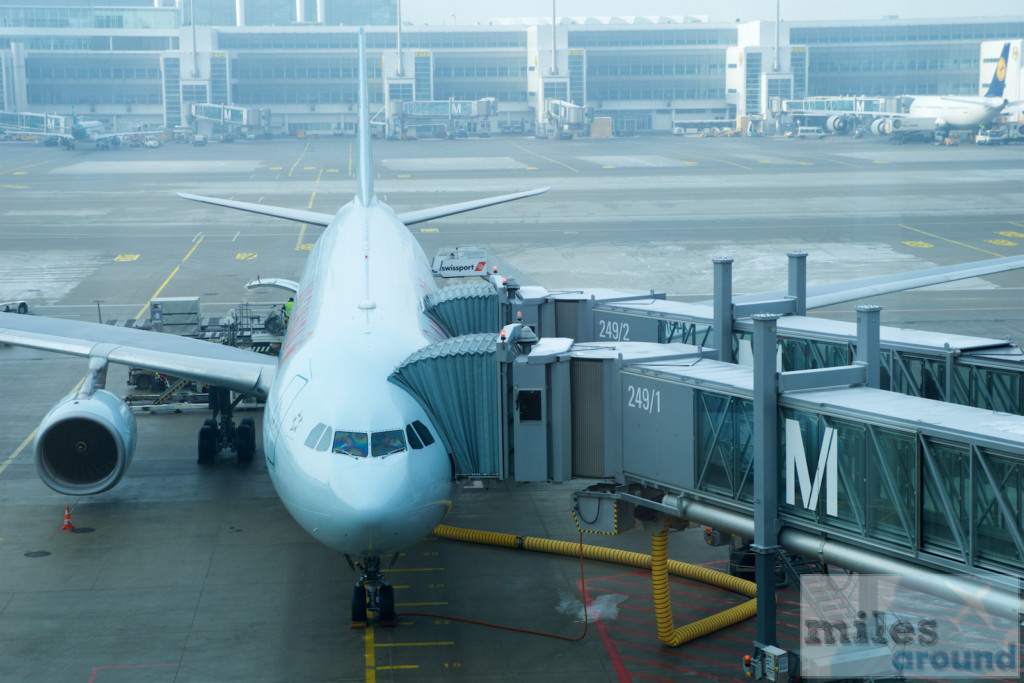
x=143, y=63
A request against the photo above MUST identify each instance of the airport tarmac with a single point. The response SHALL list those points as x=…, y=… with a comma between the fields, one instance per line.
x=197, y=574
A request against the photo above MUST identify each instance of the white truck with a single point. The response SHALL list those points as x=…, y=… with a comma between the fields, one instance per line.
x=994, y=136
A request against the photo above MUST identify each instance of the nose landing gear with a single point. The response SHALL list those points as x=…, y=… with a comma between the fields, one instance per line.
x=372, y=593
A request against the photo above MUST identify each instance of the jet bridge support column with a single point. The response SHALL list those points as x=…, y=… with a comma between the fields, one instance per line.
x=766, y=480
x=869, y=343
x=798, y=280
x=723, y=308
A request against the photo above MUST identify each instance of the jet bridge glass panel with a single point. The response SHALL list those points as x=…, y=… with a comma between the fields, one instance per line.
x=725, y=445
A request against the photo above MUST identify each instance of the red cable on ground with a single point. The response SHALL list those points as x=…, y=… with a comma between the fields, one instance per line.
x=586, y=619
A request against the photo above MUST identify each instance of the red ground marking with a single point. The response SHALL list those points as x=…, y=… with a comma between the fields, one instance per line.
x=613, y=652
x=129, y=666
x=702, y=674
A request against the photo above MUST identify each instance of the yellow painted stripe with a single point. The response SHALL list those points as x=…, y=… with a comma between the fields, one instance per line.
x=440, y=642
x=371, y=660
x=28, y=439
x=946, y=239
x=173, y=273
x=299, y=159
x=528, y=151
x=414, y=569
x=419, y=604
x=398, y=666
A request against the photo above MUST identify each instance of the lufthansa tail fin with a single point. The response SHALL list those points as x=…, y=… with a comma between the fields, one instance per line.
x=995, y=88
x=364, y=169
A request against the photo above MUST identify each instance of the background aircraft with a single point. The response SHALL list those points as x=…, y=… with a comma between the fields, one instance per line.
x=928, y=112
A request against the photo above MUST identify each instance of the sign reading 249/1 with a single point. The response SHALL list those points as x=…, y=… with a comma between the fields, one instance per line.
x=643, y=398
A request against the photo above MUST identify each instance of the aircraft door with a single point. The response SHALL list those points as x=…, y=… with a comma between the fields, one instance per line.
x=281, y=415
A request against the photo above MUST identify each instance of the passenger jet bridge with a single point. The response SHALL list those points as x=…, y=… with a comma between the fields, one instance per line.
x=881, y=450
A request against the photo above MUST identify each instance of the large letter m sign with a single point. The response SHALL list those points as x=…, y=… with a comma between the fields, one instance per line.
x=797, y=471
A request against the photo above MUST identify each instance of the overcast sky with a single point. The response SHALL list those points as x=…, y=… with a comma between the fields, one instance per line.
x=436, y=12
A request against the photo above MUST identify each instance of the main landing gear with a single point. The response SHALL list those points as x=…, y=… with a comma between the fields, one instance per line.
x=372, y=592
x=219, y=432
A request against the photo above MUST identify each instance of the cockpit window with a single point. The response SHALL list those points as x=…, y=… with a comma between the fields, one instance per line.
x=414, y=440
x=386, y=443
x=315, y=434
x=351, y=443
x=424, y=433
x=325, y=440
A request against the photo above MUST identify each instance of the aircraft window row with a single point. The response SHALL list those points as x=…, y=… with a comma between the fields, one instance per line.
x=377, y=444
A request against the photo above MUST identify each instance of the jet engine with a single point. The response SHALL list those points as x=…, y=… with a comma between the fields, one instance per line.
x=837, y=124
x=115, y=142
x=85, y=444
x=878, y=127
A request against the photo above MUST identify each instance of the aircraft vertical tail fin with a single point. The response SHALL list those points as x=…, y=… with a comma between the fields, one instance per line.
x=996, y=87
x=364, y=169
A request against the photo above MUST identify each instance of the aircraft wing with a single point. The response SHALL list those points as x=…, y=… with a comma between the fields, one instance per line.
x=413, y=217
x=299, y=215
x=851, y=290
x=243, y=371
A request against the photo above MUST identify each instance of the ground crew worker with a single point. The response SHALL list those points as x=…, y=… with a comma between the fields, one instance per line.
x=288, y=309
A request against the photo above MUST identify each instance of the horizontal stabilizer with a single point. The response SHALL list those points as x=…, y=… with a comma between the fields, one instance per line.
x=299, y=215
x=413, y=217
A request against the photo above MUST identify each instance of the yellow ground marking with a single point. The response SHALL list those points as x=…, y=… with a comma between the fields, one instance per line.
x=385, y=668
x=879, y=161
x=428, y=229
x=531, y=168
x=946, y=239
x=726, y=161
x=371, y=660
x=440, y=642
x=16, y=187
x=420, y=604
x=763, y=161
x=1009, y=233
x=1002, y=243
x=299, y=244
x=332, y=170
x=38, y=163
x=414, y=569
x=1019, y=225
x=126, y=257
x=308, y=168
x=173, y=273
x=805, y=163
x=245, y=256
x=607, y=167
x=28, y=439
x=275, y=168
x=404, y=175
x=923, y=245
x=350, y=158
x=516, y=144
x=299, y=159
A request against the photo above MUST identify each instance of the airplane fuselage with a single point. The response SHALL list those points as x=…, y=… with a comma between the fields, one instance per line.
x=956, y=112
x=336, y=432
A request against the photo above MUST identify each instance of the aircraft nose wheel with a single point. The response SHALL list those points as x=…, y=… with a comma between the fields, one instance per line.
x=374, y=594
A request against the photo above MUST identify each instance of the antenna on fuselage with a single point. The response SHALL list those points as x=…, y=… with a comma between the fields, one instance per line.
x=364, y=169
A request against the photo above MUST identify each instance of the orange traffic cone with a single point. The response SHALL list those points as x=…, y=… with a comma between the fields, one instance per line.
x=67, y=526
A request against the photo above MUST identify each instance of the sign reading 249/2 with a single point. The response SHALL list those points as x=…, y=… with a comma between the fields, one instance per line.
x=643, y=398
x=615, y=327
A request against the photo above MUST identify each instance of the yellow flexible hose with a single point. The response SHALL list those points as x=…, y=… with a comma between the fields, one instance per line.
x=657, y=562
